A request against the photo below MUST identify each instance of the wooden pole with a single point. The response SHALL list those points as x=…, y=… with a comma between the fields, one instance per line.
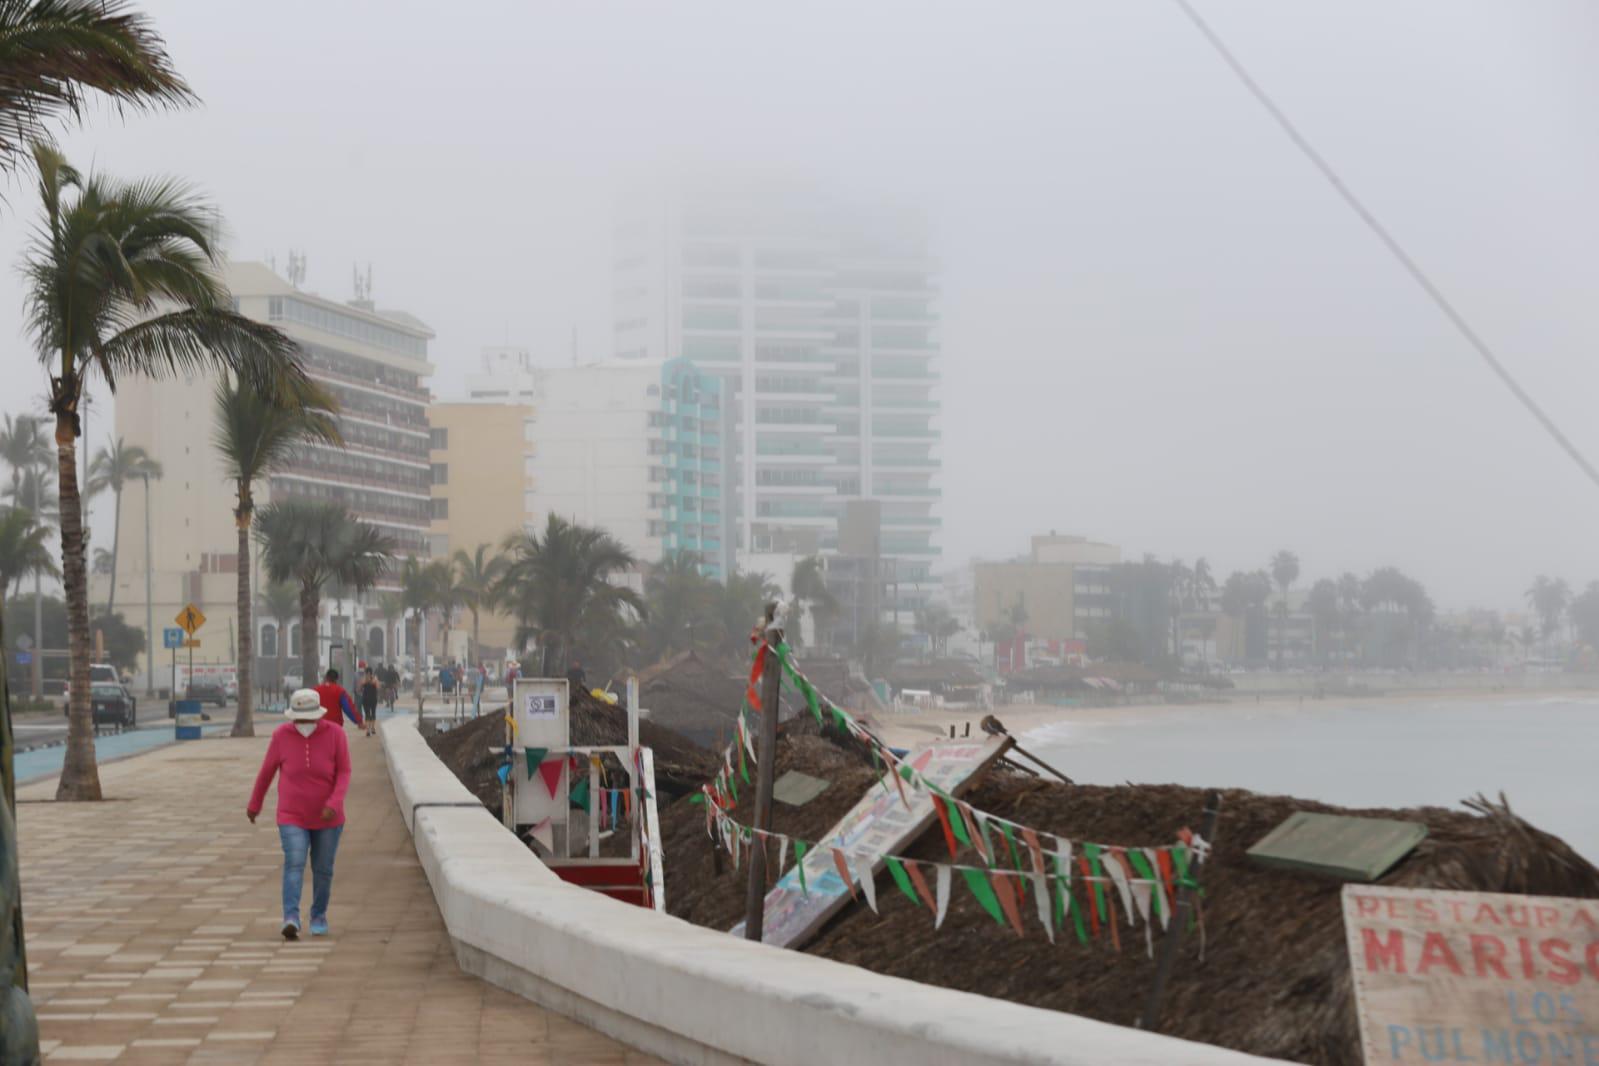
x=1185, y=906
x=771, y=682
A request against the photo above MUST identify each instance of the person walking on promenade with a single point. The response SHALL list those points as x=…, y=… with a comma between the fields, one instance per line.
x=369, y=700
x=335, y=701
x=311, y=760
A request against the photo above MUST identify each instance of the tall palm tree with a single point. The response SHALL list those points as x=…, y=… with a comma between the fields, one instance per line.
x=558, y=583
x=316, y=544
x=392, y=605
x=742, y=602
x=1549, y=598
x=444, y=588
x=121, y=280
x=281, y=602
x=1284, y=569
x=476, y=572
x=112, y=468
x=24, y=549
x=254, y=435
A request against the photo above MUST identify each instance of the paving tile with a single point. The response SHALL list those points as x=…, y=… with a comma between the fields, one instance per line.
x=162, y=947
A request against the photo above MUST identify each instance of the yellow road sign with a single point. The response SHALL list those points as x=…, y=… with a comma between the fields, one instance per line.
x=191, y=644
x=190, y=618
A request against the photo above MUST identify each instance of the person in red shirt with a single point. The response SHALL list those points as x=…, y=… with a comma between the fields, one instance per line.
x=311, y=760
x=336, y=702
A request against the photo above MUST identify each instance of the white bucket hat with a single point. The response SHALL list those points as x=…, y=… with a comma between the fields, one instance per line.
x=304, y=706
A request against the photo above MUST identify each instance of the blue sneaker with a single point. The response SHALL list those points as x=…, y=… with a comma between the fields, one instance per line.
x=319, y=927
x=291, y=928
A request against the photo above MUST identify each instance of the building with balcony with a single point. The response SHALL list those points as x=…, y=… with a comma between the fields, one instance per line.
x=375, y=364
x=820, y=318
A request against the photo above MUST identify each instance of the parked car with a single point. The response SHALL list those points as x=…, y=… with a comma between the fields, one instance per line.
x=230, y=688
x=99, y=673
x=112, y=706
x=207, y=690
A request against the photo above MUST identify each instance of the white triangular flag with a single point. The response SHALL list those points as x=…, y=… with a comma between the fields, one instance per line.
x=782, y=856
x=1118, y=877
x=862, y=868
x=1141, y=893
x=544, y=833
x=941, y=890
x=749, y=742
x=1041, y=895
x=1154, y=864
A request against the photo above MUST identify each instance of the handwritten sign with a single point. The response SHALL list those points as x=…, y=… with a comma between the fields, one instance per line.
x=878, y=824
x=1473, y=976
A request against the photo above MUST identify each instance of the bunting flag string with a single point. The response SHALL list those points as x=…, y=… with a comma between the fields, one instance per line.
x=1065, y=880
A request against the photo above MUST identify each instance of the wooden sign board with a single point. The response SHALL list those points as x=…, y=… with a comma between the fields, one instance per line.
x=1476, y=977
x=1335, y=845
x=797, y=789
x=880, y=823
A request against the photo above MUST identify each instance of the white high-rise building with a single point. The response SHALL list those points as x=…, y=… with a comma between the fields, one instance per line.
x=821, y=317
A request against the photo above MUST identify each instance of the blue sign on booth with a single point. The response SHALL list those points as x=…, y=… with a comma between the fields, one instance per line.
x=24, y=658
x=172, y=637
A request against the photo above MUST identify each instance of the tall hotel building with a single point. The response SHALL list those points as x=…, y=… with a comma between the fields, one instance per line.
x=821, y=318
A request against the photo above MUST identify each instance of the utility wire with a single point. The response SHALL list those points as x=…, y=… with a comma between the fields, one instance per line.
x=1388, y=240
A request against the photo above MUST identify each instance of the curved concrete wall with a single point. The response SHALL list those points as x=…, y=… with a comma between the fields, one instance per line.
x=694, y=995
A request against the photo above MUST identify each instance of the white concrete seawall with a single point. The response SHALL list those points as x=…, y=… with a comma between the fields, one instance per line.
x=694, y=995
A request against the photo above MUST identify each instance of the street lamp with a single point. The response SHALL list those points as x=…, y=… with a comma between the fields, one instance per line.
x=149, y=607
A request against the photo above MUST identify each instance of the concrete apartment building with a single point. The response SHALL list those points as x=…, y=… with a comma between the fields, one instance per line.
x=821, y=319
x=634, y=447
x=1061, y=585
x=375, y=363
x=482, y=493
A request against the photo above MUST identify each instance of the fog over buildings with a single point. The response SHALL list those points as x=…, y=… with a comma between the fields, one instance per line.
x=1158, y=327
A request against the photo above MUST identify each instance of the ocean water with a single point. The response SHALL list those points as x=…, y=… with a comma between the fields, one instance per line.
x=1540, y=751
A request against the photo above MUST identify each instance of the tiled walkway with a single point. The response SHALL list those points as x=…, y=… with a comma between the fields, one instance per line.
x=153, y=919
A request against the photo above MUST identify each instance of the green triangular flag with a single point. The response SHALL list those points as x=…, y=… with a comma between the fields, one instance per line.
x=1141, y=865
x=1092, y=852
x=900, y=879
x=1010, y=839
x=957, y=823
x=799, y=865
x=534, y=757
x=977, y=881
x=580, y=794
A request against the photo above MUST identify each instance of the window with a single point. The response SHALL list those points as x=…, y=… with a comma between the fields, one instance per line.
x=441, y=509
x=441, y=473
x=294, y=640
x=269, y=641
x=438, y=438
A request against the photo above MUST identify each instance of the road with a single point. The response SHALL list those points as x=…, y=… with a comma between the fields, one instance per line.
x=42, y=729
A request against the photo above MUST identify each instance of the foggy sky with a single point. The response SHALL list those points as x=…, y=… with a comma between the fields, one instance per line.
x=1161, y=328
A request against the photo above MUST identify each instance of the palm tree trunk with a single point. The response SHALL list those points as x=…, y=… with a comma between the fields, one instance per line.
x=477, y=649
x=244, y=720
x=80, y=776
x=283, y=648
x=116, y=543
x=310, y=608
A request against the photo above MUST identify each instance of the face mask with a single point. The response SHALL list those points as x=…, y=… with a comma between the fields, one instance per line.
x=305, y=728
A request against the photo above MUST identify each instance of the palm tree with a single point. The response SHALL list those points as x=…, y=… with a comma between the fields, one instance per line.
x=416, y=593
x=681, y=607
x=281, y=602
x=254, y=436
x=742, y=604
x=445, y=588
x=392, y=605
x=317, y=544
x=121, y=280
x=112, y=468
x=1284, y=569
x=557, y=584
x=476, y=572
x=51, y=51
x=24, y=549
x=1549, y=599
x=809, y=583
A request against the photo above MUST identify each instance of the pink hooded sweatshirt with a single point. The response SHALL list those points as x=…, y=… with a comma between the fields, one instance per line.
x=315, y=773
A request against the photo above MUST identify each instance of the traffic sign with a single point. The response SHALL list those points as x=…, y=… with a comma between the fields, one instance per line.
x=190, y=618
x=24, y=658
x=172, y=637
x=191, y=644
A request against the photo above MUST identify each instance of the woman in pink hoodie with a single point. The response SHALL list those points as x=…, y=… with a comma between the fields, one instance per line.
x=312, y=761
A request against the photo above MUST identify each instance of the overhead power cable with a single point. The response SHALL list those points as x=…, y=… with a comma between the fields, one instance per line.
x=1388, y=240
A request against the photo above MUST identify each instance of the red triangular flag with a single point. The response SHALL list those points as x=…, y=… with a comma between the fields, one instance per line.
x=1007, y=899
x=550, y=770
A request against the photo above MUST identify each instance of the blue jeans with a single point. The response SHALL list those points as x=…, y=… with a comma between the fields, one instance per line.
x=320, y=845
